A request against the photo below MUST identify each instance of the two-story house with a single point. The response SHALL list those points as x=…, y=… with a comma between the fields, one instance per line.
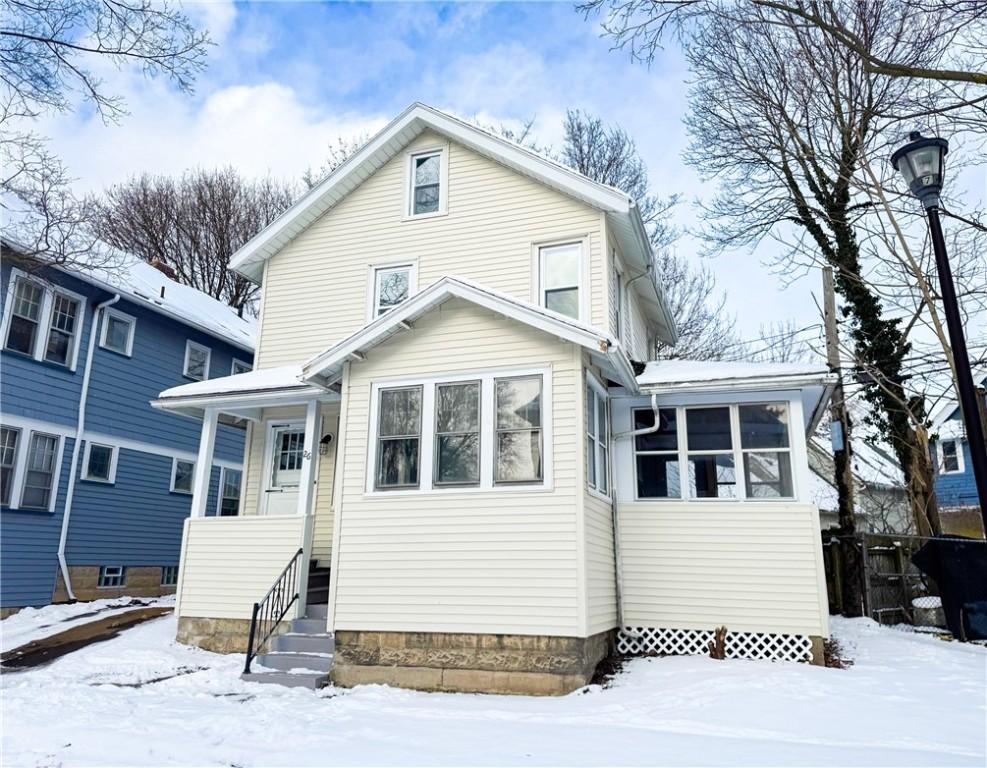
x=956, y=488
x=96, y=484
x=454, y=412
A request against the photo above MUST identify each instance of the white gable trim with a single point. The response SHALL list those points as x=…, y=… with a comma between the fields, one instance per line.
x=329, y=364
x=388, y=143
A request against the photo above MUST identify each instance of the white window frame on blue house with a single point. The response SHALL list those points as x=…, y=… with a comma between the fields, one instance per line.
x=960, y=462
x=114, y=455
x=27, y=428
x=239, y=366
x=45, y=316
x=123, y=317
x=174, y=473
x=189, y=346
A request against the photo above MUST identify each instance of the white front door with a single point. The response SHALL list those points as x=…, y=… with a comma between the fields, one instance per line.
x=286, y=444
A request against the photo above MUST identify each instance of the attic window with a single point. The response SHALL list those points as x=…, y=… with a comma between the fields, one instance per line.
x=427, y=183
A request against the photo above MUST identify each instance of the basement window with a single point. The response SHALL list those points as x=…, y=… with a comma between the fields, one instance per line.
x=111, y=576
x=169, y=575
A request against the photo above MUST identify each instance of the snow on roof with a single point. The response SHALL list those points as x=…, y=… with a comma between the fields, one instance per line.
x=684, y=372
x=137, y=281
x=282, y=377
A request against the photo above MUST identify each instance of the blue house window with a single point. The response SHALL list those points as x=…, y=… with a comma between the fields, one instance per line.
x=8, y=454
x=950, y=457
x=169, y=575
x=100, y=463
x=118, y=333
x=42, y=322
x=197, y=361
x=40, y=475
x=182, y=474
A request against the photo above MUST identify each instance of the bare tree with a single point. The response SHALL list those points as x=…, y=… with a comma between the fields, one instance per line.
x=787, y=119
x=194, y=224
x=49, y=53
x=339, y=152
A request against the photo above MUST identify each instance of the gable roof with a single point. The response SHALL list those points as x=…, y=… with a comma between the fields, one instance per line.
x=605, y=350
x=146, y=286
x=950, y=409
x=623, y=215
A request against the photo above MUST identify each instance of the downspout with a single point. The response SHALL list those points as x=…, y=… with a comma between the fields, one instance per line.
x=80, y=428
x=617, y=557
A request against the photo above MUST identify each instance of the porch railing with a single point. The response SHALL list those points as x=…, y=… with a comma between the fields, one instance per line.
x=271, y=610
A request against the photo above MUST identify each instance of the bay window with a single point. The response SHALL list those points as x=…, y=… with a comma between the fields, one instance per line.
x=726, y=452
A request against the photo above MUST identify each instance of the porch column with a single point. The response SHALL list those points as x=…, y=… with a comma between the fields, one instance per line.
x=306, y=492
x=203, y=464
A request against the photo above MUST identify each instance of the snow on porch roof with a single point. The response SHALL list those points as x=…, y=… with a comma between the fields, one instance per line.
x=709, y=374
x=280, y=378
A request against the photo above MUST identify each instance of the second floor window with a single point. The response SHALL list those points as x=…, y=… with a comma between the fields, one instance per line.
x=182, y=476
x=118, y=332
x=41, y=322
x=197, y=361
x=950, y=457
x=239, y=366
x=560, y=267
x=392, y=285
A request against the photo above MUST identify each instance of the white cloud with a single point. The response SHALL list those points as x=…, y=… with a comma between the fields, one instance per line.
x=215, y=16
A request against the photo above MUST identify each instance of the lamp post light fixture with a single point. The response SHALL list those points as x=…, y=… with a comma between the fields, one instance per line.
x=922, y=162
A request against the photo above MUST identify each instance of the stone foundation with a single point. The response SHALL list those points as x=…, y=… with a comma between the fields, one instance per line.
x=142, y=581
x=434, y=661
x=218, y=635
x=818, y=656
x=10, y=611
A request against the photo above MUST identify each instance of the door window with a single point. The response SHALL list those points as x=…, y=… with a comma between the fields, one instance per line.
x=289, y=444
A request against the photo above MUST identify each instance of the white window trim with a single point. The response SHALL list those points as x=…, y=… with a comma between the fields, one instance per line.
x=164, y=583
x=960, y=462
x=114, y=455
x=538, y=295
x=118, y=315
x=683, y=453
x=442, y=150
x=594, y=383
x=373, y=269
x=189, y=345
x=174, y=470
x=123, y=577
x=487, y=429
x=44, y=318
x=620, y=296
x=233, y=365
x=219, y=492
x=20, y=467
x=16, y=464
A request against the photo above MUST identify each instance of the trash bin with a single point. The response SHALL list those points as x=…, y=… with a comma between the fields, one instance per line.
x=959, y=567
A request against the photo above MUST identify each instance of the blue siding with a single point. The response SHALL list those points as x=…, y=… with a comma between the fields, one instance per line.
x=137, y=520
x=956, y=489
x=29, y=547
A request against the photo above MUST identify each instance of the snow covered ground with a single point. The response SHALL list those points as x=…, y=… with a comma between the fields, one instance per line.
x=143, y=700
x=35, y=623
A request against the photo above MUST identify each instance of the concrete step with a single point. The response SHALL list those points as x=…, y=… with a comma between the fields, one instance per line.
x=313, y=680
x=316, y=610
x=293, y=642
x=308, y=626
x=288, y=661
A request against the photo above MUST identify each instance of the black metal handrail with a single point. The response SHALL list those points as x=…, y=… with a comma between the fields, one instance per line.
x=270, y=611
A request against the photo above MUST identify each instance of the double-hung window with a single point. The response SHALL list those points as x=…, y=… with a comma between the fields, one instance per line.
x=229, y=492
x=519, y=430
x=39, y=476
x=767, y=452
x=597, y=440
x=9, y=438
x=714, y=452
x=950, y=457
x=197, y=361
x=560, y=268
x=457, y=433
x=392, y=285
x=118, y=332
x=399, y=437
x=426, y=192
x=42, y=322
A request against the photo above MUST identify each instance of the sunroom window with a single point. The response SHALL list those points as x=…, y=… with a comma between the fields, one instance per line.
x=767, y=453
x=710, y=461
x=659, y=475
x=399, y=437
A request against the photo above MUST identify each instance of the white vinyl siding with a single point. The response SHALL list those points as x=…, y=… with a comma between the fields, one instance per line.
x=494, y=217
x=504, y=560
x=228, y=563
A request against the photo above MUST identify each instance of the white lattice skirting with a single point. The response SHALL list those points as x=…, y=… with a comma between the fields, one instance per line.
x=695, y=642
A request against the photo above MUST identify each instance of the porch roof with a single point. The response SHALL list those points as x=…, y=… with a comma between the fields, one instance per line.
x=713, y=375
x=242, y=394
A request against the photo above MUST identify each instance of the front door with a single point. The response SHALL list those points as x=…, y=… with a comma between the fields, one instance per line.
x=286, y=444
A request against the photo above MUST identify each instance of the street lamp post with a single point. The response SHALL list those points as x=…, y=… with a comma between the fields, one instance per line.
x=923, y=164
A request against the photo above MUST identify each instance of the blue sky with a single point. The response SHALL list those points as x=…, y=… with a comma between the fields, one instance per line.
x=287, y=79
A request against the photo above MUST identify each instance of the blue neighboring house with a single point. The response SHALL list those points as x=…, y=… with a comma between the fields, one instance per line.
x=955, y=486
x=95, y=484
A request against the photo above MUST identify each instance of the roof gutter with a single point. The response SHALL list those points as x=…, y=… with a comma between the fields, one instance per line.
x=721, y=385
x=80, y=428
